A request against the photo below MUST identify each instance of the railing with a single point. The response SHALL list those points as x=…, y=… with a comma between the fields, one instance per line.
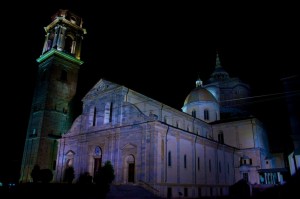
x=149, y=187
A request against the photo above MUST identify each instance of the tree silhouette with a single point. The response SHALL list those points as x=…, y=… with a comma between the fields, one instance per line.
x=104, y=177
x=43, y=175
x=35, y=173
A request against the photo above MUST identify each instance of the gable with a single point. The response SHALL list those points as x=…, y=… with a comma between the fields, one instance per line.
x=128, y=146
x=101, y=86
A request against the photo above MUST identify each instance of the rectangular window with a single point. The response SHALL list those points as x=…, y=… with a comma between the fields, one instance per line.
x=110, y=112
x=194, y=113
x=206, y=114
x=198, y=163
x=184, y=161
x=209, y=165
x=221, y=138
x=227, y=167
x=220, y=169
x=94, y=116
x=107, y=113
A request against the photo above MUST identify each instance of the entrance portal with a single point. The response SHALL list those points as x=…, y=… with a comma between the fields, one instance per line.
x=130, y=169
x=131, y=172
x=97, y=159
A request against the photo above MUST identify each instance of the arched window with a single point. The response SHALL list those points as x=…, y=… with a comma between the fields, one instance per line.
x=98, y=151
x=206, y=114
x=108, y=113
x=73, y=20
x=97, y=159
x=70, y=158
x=68, y=44
x=194, y=113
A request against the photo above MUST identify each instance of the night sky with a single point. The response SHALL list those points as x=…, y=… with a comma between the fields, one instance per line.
x=157, y=50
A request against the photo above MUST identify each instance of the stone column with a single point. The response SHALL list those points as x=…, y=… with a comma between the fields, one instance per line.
x=61, y=38
x=73, y=47
x=45, y=48
x=78, y=46
x=54, y=44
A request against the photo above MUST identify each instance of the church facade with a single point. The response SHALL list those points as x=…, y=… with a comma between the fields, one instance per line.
x=191, y=152
x=165, y=150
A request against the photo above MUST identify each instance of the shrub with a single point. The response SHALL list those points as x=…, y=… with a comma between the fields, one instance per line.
x=69, y=174
x=46, y=175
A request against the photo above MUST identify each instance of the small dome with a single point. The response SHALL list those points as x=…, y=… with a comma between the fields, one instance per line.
x=199, y=94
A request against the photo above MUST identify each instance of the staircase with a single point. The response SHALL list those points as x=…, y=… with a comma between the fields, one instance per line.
x=129, y=191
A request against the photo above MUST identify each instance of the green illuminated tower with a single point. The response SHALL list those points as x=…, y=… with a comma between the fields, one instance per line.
x=56, y=84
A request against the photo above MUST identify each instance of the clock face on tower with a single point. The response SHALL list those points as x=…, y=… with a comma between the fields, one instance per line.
x=97, y=151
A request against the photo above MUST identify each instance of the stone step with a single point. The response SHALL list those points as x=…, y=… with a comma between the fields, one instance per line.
x=129, y=192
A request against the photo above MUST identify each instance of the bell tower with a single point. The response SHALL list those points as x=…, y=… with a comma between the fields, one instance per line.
x=56, y=84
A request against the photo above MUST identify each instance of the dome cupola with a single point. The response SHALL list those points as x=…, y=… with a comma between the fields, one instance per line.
x=200, y=103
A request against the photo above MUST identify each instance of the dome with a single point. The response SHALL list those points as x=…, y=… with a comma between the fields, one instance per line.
x=199, y=94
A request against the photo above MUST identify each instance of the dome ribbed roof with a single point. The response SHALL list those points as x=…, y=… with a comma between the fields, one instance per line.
x=199, y=94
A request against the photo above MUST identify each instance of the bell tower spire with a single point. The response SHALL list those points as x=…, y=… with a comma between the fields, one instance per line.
x=64, y=34
x=55, y=88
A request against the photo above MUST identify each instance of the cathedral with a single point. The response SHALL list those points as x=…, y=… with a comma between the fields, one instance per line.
x=201, y=150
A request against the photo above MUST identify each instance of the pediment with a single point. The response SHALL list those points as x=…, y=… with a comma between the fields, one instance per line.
x=101, y=86
x=70, y=153
x=129, y=146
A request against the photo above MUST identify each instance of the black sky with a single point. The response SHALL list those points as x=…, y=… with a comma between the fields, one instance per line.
x=157, y=50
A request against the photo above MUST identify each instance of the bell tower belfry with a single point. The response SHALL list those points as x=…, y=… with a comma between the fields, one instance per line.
x=56, y=84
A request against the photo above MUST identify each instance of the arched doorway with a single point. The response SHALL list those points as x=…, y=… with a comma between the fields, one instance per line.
x=130, y=165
